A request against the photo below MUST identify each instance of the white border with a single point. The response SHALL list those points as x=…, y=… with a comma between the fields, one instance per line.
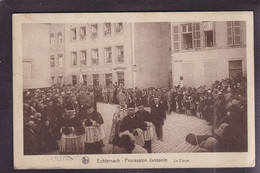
x=196, y=160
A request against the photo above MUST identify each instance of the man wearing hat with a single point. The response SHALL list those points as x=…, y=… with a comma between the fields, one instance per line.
x=30, y=141
x=168, y=97
x=225, y=136
x=49, y=110
x=158, y=116
x=131, y=122
x=93, y=114
x=210, y=145
x=221, y=108
x=145, y=117
x=58, y=108
x=70, y=120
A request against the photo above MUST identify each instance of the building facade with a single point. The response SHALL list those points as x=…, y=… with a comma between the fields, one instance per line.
x=203, y=52
x=57, y=53
x=135, y=54
x=36, y=51
x=101, y=53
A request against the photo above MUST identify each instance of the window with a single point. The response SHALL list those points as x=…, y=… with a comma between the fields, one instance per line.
x=120, y=78
x=233, y=33
x=95, y=79
x=74, y=59
x=52, y=39
x=187, y=41
x=108, y=79
x=176, y=42
x=94, y=56
x=53, y=80
x=108, y=55
x=84, y=79
x=59, y=38
x=187, y=28
x=235, y=68
x=191, y=36
x=83, y=57
x=52, y=60
x=94, y=31
x=60, y=60
x=82, y=33
x=196, y=35
x=107, y=29
x=120, y=54
x=119, y=27
x=208, y=28
x=187, y=36
x=73, y=34
x=74, y=79
x=60, y=79
x=208, y=38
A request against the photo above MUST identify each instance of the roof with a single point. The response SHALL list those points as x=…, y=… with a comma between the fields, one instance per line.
x=32, y=83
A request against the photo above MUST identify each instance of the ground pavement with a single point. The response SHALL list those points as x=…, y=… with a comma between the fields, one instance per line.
x=175, y=128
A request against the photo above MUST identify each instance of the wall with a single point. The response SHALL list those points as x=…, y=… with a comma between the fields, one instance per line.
x=214, y=60
x=152, y=54
x=35, y=47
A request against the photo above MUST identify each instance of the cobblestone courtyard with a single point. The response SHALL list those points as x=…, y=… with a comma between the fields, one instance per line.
x=176, y=127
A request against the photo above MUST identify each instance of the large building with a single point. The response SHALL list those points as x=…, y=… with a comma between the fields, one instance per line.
x=136, y=54
x=203, y=52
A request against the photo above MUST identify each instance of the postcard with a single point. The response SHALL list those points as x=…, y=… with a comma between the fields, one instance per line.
x=133, y=90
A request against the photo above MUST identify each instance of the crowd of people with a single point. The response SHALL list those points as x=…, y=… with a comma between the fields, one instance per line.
x=47, y=112
x=225, y=107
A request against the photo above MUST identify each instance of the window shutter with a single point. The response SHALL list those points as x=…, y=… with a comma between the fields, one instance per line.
x=236, y=30
x=196, y=35
x=229, y=33
x=176, y=41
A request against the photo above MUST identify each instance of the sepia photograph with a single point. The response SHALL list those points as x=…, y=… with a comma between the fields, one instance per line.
x=116, y=88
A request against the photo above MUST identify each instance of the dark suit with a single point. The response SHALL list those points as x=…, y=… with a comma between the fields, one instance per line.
x=132, y=123
x=145, y=116
x=30, y=142
x=158, y=115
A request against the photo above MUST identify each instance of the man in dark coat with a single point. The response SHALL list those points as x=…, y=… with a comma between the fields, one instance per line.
x=58, y=109
x=158, y=116
x=71, y=120
x=94, y=115
x=145, y=118
x=49, y=111
x=30, y=142
x=131, y=122
x=59, y=112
